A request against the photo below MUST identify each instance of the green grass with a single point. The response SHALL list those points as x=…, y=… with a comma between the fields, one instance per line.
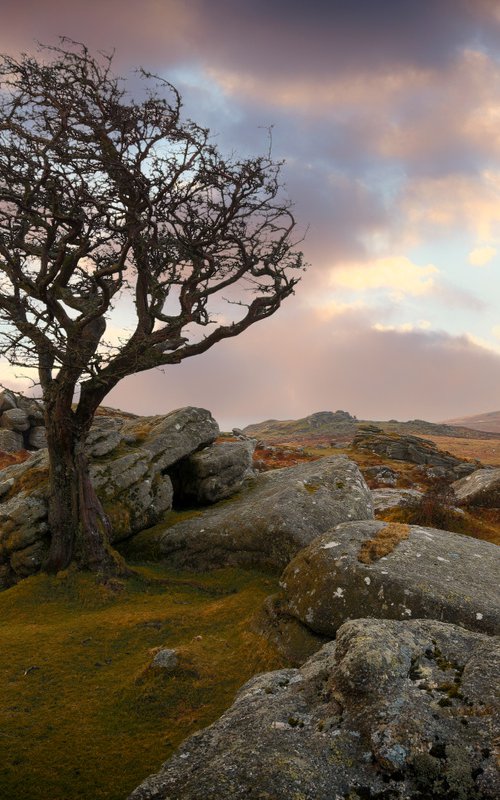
x=83, y=714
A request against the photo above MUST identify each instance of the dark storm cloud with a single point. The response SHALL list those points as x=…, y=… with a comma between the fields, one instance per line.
x=269, y=34
x=345, y=35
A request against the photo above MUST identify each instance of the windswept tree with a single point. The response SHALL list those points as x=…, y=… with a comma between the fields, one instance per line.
x=111, y=199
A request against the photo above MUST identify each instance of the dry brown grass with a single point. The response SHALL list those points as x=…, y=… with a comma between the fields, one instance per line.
x=383, y=543
x=485, y=450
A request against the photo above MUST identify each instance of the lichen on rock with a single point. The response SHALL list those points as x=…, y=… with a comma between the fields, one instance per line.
x=360, y=719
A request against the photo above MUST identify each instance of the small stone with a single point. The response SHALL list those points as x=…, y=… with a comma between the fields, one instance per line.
x=166, y=660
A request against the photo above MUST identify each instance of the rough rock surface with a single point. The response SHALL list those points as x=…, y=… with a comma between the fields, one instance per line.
x=37, y=438
x=413, y=449
x=276, y=514
x=129, y=467
x=482, y=488
x=212, y=474
x=10, y=441
x=381, y=474
x=19, y=418
x=415, y=572
x=165, y=659
x=391, y=498
x=390, y=711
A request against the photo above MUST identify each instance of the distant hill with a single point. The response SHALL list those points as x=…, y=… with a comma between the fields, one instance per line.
x=340, y=426
x=323, y=425
x=480, y=422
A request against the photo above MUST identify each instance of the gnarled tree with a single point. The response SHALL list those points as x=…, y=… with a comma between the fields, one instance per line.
x=110, y=200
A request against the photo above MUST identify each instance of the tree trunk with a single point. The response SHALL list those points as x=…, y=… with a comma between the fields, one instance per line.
x=80, y=530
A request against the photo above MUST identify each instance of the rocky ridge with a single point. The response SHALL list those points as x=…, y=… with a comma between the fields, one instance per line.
x=342, y=426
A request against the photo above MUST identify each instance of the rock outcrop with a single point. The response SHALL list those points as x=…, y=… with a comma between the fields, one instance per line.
x=481, y=488
x=276, y=514
x=322, y=425
x=393, y=571
x=413, y=449
x=21, y=423
x=390, y=711
x=130, y=463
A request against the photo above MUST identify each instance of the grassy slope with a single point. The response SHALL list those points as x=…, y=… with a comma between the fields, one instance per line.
x=83, y=715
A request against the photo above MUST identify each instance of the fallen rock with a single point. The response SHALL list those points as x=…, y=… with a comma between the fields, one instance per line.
x=413, y=449
x=482, y=488
x=277, y=514
x=129, y=463
x=393, y=571
x=212, y=474
x=392, y=498
x=390, y=711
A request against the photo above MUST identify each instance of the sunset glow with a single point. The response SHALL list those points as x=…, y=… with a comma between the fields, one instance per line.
x=387, y=115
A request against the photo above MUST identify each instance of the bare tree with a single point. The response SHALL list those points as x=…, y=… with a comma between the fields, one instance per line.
x=105, y=199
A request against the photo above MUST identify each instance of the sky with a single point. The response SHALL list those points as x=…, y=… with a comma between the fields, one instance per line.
x=387, y=114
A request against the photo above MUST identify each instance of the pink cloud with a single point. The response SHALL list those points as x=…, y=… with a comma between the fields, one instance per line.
x=300, y=362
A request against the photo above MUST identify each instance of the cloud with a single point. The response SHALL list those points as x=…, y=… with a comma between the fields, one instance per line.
x=479, y=341
x=396, y=273
x=404, y=327
x=482, y=255
x=299, y=362
x=468, y=203
x=335, y=308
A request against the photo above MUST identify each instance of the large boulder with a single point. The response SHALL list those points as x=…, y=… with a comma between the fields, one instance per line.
x=482, y=488
x=393, y=571
x=390, y=711
x=214, y=473
x=274, y=516
x=129, y=463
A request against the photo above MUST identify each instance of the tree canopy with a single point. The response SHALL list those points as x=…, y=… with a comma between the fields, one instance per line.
x=110, y=200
